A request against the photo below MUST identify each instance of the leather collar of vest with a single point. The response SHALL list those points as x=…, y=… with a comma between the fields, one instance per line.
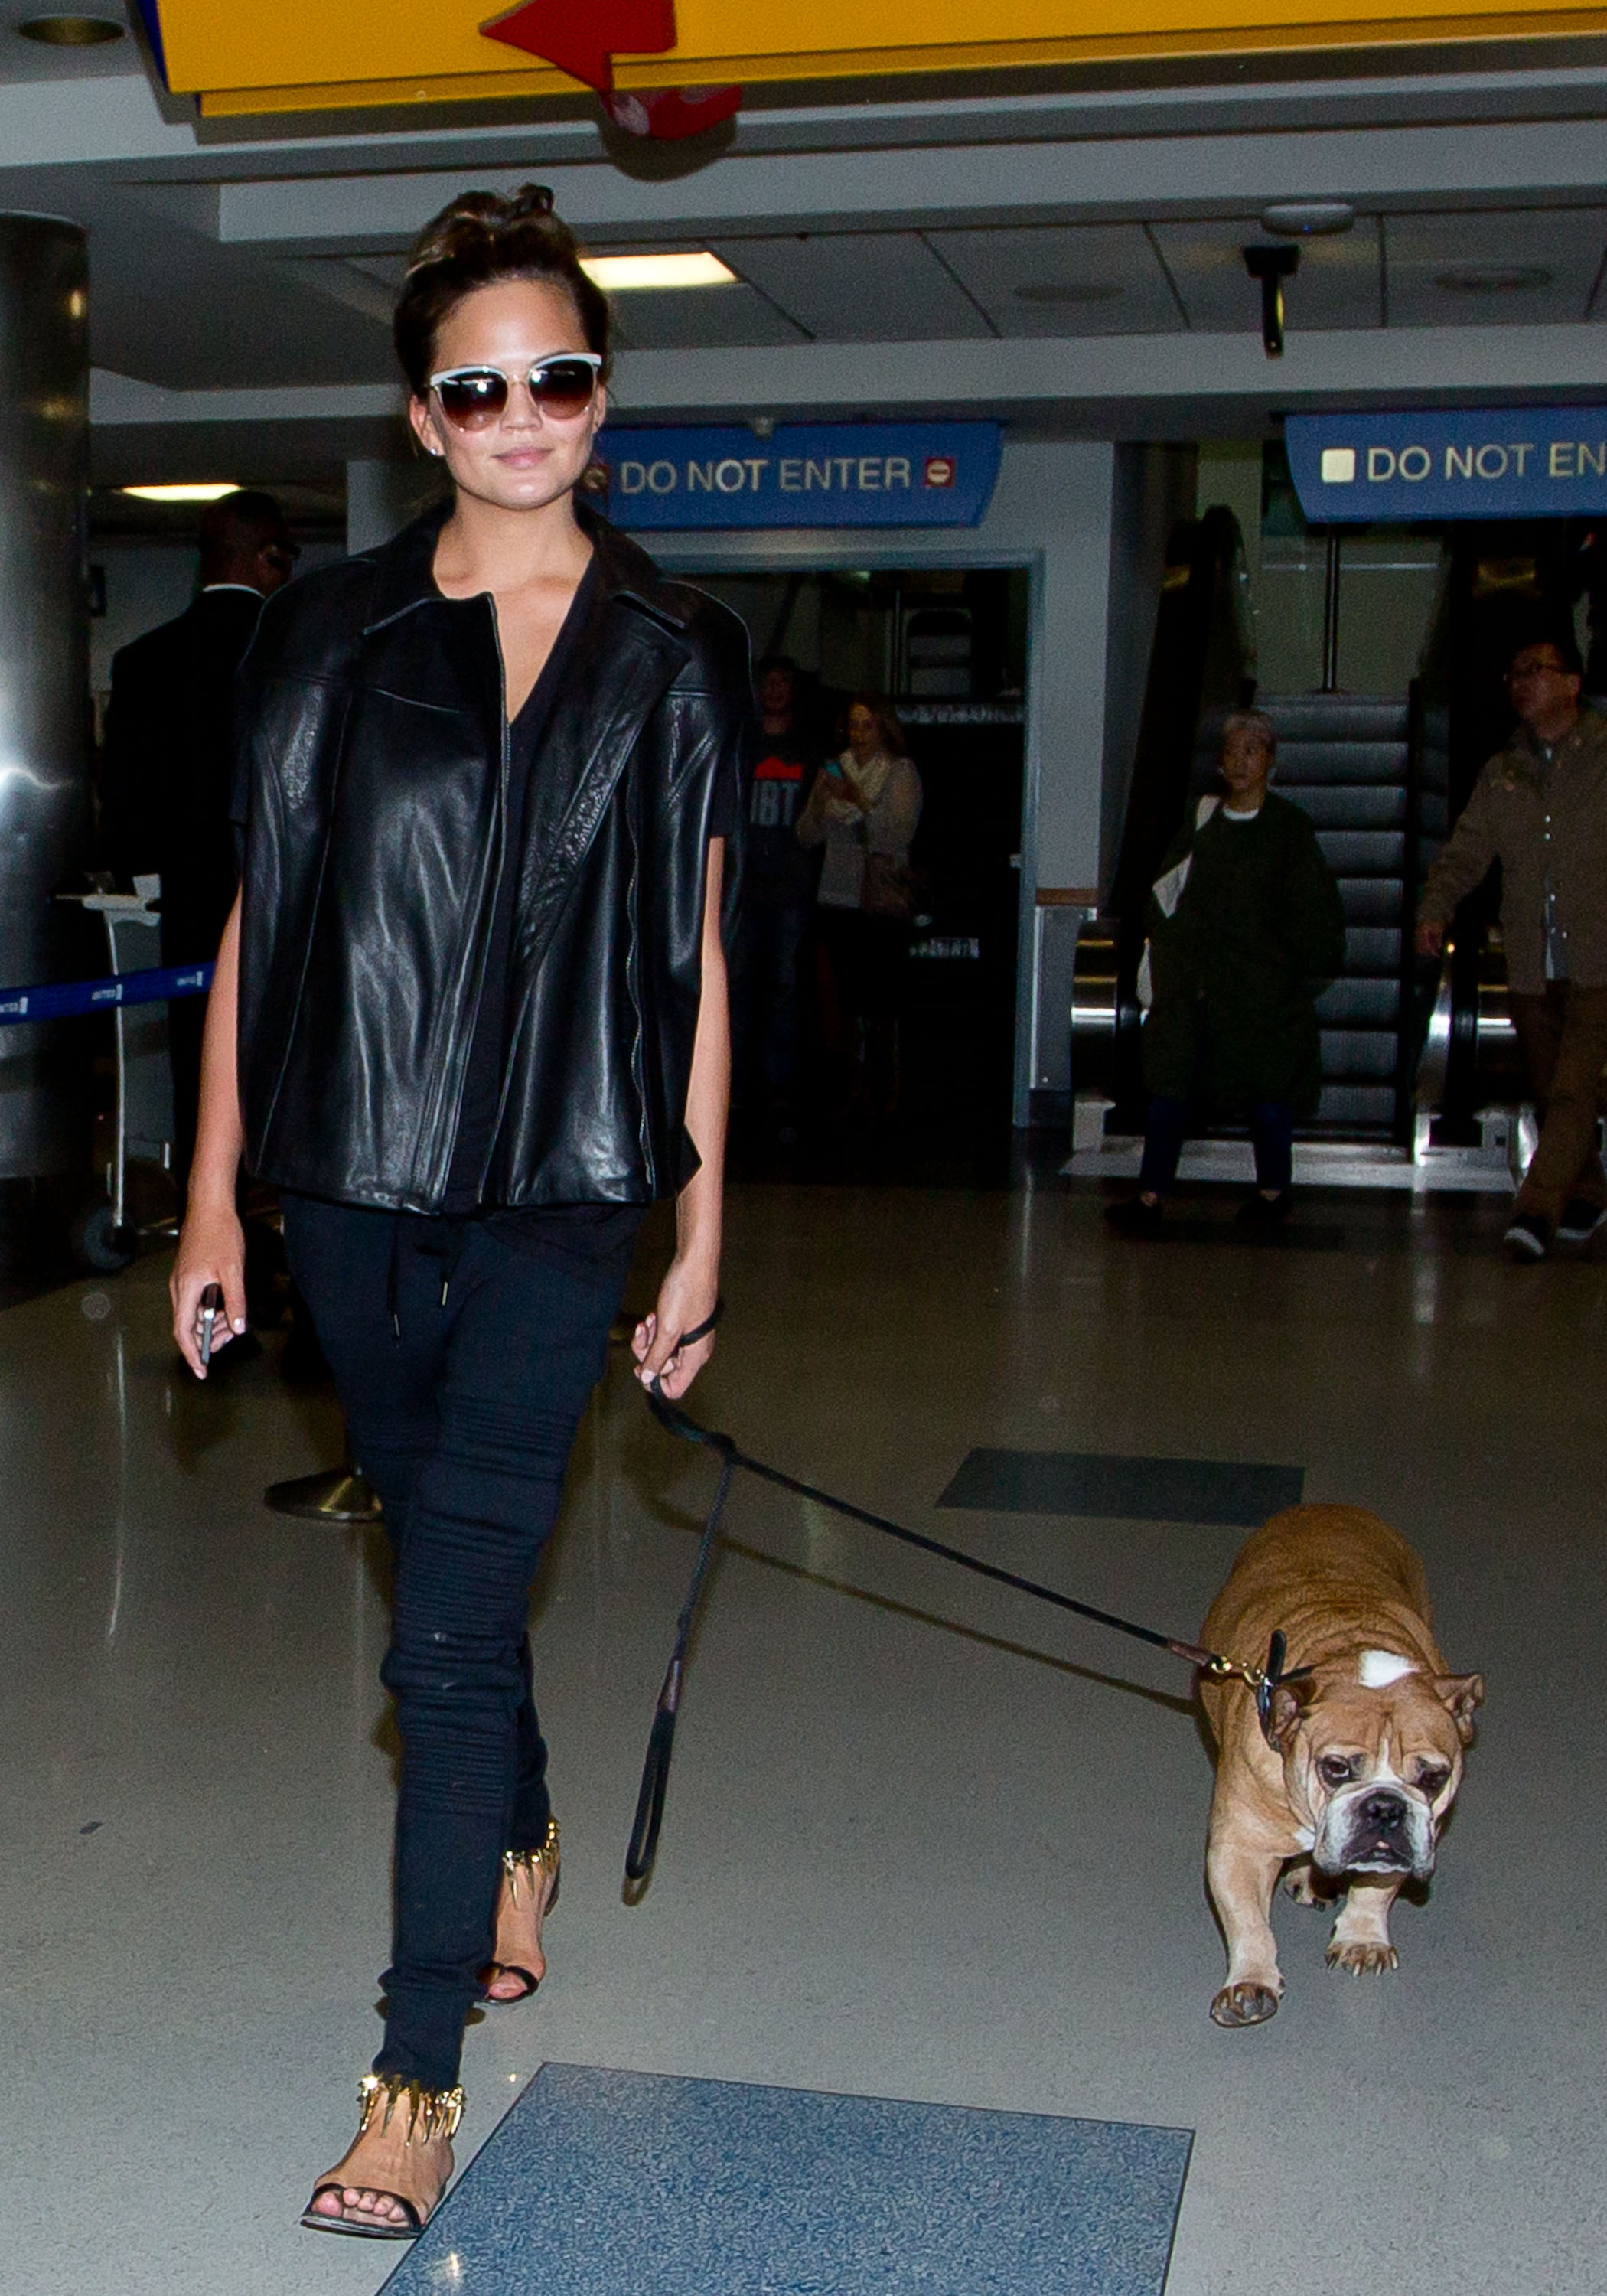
x=405, y=572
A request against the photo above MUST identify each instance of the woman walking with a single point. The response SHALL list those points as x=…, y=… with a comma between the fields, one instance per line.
x=469, y=1018
x=865, y=810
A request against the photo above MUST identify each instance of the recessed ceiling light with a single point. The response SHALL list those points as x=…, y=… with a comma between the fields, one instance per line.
x=1493, y=278
x=202, y=490
x=617, y=273
x=1069, y=291
x=71, y=31
x=1306, y=218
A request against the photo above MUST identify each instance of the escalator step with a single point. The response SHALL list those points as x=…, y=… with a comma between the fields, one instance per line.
x=1372, y=949
x=1359, y=1004
x=1359, y=1052
x=1335, y=717
x=1317, y=762
x=1376, y=806
x=1367, y=1107
x=1363, y=852
x=1369, y=900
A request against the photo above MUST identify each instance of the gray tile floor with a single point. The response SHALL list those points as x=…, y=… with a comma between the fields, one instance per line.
x=924, y=1840
x=603, y=2184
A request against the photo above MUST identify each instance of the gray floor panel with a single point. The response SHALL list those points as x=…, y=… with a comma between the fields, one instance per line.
x=610, y=2183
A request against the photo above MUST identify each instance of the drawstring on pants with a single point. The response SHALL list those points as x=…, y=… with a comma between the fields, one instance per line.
x=442, y=1237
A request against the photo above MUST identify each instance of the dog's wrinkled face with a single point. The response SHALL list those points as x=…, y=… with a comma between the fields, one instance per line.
x=1372, y=1753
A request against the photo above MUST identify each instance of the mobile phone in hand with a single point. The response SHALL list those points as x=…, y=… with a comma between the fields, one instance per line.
x=211, y=1307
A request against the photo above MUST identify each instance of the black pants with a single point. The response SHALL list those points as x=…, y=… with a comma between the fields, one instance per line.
x=1168, y=1126
x=465, y=1425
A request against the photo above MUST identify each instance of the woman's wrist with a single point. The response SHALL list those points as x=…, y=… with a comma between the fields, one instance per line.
x=699, y=1262
x=211, y=1194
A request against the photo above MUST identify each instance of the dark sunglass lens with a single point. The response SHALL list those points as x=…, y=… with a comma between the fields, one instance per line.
x=470, y=401
x=563, y=386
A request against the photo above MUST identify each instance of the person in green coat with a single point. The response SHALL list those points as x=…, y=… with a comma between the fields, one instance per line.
x=1245, y=920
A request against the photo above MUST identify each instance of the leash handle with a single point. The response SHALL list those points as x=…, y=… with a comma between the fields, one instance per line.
x=642, y=1848
x=643, y=1845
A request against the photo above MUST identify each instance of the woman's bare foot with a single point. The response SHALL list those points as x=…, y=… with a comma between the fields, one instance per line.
x=529, y=1882
x=398, y=2166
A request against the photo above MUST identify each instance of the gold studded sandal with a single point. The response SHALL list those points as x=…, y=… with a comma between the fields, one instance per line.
x=529, y=1870
x=430, y=2113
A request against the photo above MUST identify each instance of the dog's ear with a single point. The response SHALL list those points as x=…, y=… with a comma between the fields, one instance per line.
x=1290, y=1700
x=1462, y=1692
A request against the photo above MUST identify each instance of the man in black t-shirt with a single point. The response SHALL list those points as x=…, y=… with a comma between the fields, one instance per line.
x=778, y=896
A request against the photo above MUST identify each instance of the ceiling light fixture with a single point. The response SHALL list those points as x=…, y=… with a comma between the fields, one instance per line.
x=1493, y=278
x=1068, y=291
x=619, y=273
x=71, y=31
x=1307, y=219
x=191, y=491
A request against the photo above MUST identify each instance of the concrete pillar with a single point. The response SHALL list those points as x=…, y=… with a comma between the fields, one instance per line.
x=45, y=722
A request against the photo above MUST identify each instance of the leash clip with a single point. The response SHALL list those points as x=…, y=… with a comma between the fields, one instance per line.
x=1264, y=1680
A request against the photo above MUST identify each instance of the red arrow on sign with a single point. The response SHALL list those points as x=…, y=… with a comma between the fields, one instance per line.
x=583, y=37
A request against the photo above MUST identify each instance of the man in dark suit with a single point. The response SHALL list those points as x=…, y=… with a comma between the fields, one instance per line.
x=168, y=764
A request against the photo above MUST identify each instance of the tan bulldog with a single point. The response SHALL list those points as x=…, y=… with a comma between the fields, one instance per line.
x=1361, y=1756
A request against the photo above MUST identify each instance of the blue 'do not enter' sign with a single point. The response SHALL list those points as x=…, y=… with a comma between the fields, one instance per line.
x=1522, y=462
x=804, y=474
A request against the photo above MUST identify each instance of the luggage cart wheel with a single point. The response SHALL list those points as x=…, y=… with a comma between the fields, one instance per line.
x=98, y=1243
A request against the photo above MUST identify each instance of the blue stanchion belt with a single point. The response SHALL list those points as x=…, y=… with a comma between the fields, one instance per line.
x=63, y=1000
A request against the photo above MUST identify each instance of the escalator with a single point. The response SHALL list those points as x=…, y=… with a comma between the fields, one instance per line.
x=1200, y=661
x=1381, y=779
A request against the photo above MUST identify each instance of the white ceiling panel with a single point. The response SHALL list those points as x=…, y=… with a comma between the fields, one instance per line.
x=1059, y=279
x=858, y=287
x=1338, y=283
x=698, y=319
x=1504, y=267
x=651, y=319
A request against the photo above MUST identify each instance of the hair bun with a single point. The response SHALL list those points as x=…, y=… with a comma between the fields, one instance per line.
x=478, y=216
x=479, y=238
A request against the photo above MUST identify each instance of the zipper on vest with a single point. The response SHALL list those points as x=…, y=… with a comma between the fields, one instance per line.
x=496, y=878
x=488, y=910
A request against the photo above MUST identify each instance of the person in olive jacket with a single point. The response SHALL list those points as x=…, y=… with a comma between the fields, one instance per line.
x=1244, y=918
x=1540, y=808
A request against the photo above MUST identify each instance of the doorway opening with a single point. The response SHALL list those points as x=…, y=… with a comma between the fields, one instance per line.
x=910, y=1077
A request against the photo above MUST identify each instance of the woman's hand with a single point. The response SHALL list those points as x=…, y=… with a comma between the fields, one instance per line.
x=686, y=1299
x=211, y=1250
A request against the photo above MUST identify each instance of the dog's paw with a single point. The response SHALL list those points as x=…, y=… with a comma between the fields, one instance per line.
x=1302, y=1884
x=1363, y=1960
x=1244, y=2005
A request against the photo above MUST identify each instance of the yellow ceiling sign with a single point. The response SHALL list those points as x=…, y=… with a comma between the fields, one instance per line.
x=257, y=56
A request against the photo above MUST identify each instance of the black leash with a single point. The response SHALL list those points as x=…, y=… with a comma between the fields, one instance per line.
x=655, y=1770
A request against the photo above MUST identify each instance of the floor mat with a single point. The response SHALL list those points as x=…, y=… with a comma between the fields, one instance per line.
x=1233, y=1491
x=614, y=2184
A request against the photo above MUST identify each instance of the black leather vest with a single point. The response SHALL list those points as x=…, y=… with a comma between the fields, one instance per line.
x=374, y=725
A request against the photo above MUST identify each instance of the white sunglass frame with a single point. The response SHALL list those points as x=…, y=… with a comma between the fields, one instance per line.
x=527, y=376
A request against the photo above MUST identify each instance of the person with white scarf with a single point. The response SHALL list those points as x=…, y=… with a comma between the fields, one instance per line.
x=864, y=809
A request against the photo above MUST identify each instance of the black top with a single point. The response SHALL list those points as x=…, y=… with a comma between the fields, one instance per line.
x=592, y=1227
x=477, y=1111
x=778, y=871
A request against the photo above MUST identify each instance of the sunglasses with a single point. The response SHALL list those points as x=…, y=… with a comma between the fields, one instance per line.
x=474, y=398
